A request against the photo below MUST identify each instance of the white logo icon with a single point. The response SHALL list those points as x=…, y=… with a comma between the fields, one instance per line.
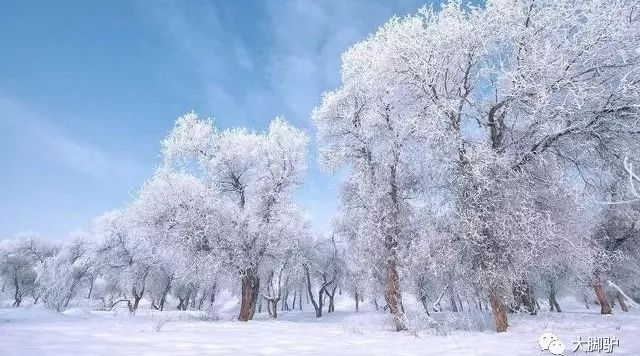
x=549, y=341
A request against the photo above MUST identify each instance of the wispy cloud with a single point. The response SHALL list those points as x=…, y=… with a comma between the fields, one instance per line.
x=285, y=67
x=291, y=54
x=196, y=29
x=51, y=142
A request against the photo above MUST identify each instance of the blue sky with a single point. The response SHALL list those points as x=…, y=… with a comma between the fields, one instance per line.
x=89, y=88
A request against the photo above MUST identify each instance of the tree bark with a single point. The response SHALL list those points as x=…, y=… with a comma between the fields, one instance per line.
x=357, y=298
x=317, y=306
x=392, y=294
x=623, y=305
x=553, y=303
x=454, y=305
x=523, y=295
x=91, y=282
x=285, y=301
x=136, y=302
x=425, y=304
x=250, y=289
x=331, y=295
x=295, y=294
x=165, y=292
x=17, y=298
x=212, y=297
x=499, y=311
x=605, y=308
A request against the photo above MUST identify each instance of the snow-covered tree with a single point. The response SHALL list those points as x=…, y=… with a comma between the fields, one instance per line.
x=19, y=260
x=252, y=176
x=489, y=98
x=125, y=257
x=60, y=276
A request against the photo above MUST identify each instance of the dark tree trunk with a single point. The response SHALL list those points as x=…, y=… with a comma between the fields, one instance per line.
x=425, y=304
x=91, y=282
x=621, y=301
x=165, y=292
x=17, y=297
x=392, y=294
x=317, y=306
x=553, y=303
x=499, y=311
x=452, y=301
x=285, y=304
x=250, y=289
x=357, y=298
x=187, y=299
x=605, y=308
x=331, y=296
x=295, y=294
x=212, y=297
x=136, y=301
x=274, y=305
x=392, y=282
x=523, y=295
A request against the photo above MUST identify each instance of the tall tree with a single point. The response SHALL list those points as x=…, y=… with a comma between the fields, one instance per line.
x=253, y=175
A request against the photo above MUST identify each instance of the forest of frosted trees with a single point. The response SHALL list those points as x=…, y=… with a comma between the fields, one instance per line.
x=488, y=157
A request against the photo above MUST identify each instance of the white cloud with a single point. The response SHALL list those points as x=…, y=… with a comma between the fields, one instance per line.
x=51, y=142
x=298, y=59
x=299, y=54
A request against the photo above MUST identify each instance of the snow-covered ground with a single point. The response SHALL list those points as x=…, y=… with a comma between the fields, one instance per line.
x=37, y=331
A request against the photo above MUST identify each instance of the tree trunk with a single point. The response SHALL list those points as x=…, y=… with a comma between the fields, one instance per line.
x=392, y=287
x=331, y=295
x=300, y=300
x=187, y=299
x=425, y=304
x=553, y=303
x=285, y=303
x=295, y=294
x=165, y=292
x=392, y=294
x=136, y=301
x=268, y=306
x=91, y=282
x=605, y=308
x=623, y=305
x=317, y=306
x=523, y=295
x=250, y=289
x=212, y=297
x=452, y=301
x=17, y=298
x=357, y=301
x=499, y=311
x=274, y=305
